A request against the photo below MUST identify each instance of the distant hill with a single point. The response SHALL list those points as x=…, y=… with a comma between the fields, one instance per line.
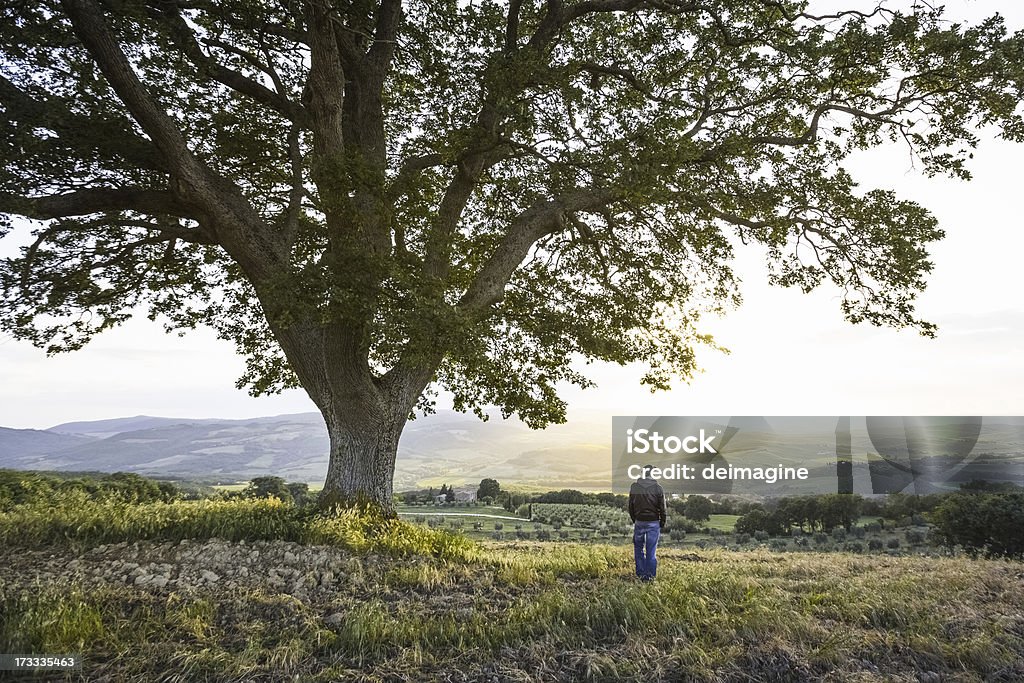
x=447, y=447
x=104, y=428
x=32, y=442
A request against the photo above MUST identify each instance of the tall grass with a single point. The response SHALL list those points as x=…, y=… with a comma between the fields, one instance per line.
x=37, y=621
x=84, y=522
x=89, y=522
x=365, y=532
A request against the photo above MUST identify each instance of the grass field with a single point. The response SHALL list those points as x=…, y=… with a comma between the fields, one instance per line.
x=353, y=598
x=512, y=612
x=722, y=522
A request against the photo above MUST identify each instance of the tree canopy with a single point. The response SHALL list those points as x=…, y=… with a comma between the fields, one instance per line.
x=372, y=198
x=698, y=508
x=489, y=489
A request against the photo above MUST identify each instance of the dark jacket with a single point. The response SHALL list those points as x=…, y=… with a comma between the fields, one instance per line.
x=647, y=501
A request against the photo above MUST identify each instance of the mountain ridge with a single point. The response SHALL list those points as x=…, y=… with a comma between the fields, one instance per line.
x=446, y=446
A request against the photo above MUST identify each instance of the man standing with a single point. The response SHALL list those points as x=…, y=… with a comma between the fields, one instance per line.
x=647, y=510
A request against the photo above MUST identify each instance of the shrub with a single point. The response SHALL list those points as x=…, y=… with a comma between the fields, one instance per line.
x=875, y=544
x=839, y=533
x=893, y=544
x=690, y=526
x=498, y=526
x=365, y=532
x=759, y=536
x=266, y=487
x=985, y=524
x=820, y=539
x=37, y=488
x=914, y=537
x=854, y=547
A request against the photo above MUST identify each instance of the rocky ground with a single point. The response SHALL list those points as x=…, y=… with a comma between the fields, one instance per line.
x=302, y=571
x=315, y=575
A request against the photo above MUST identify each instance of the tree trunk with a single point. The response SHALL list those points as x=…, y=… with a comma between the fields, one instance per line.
x=362, y=461
x=364, y=413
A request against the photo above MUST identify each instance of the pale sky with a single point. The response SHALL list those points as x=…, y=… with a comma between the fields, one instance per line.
x=792, y=354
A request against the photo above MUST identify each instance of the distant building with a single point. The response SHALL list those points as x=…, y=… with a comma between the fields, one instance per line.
x=461, y=496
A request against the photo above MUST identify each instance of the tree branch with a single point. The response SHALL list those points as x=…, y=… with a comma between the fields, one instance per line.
x=85, y=202
x=237, y=226
x=410, y=169
x=222, y=12
x=325, y=84
x=544, y=217
x=812, y=129
x=297, y=191
x=111, y=137
x=512, y=25
x=185, y=39
x=385, y=39
x=470, y=168
x=87, y=19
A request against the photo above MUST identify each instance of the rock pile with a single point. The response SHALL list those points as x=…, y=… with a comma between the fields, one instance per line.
x=283, y=567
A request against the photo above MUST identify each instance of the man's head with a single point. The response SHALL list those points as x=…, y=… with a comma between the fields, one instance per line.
x=647, y=471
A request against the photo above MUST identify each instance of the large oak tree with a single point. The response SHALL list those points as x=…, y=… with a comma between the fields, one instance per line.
x=372, y=199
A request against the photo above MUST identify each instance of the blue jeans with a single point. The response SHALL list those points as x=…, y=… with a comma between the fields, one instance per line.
x=645, y=543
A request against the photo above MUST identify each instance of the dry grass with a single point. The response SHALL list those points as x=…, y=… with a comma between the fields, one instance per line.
x=417, y=604
x=527, y=613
